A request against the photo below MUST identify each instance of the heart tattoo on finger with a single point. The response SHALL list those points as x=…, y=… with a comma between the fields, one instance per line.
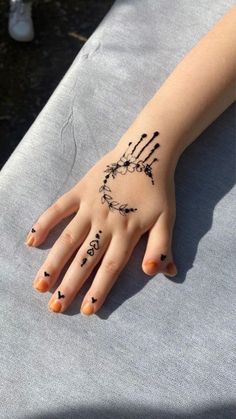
x=94, y=246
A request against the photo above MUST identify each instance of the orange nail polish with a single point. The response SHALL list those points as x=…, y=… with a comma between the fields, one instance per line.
x=30, y=241
x=55, y=306
x=41, y=285
x=151, y=266
x=171, y=269
x=87, y=309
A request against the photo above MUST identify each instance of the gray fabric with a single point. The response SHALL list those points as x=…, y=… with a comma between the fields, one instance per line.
x=158, y=348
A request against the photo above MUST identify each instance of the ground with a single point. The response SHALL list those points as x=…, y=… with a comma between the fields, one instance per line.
x=29, y=72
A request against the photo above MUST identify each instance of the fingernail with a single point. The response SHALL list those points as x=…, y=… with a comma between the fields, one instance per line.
x=171, y=269
x=152, y=266
x=87, y=309
x=30, y=241
x=41, y=285
x=55, y=306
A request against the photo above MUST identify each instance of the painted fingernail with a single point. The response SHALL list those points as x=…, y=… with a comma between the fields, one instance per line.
x=151, y=266
x=41, y=285
x=30, y=241
x=171, y=269
x=55, y=306
x=87, y=309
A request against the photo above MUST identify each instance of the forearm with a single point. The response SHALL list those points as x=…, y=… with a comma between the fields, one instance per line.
x=200, y=88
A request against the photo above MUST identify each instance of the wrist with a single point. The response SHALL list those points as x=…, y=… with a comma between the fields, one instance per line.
x=167, y=151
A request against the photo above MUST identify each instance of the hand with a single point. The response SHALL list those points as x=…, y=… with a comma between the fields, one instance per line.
x=124, y=195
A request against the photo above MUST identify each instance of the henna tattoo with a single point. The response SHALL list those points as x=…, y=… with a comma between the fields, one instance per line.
x=163, y=257
x=156, y=145
x=128, y=163
x=33, y=230
x=94, y=300
x=94, y=246
x=84, y=260
x=46, y=274
x=60, y=295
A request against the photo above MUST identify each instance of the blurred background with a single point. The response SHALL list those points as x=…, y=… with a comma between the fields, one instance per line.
x=30, y=71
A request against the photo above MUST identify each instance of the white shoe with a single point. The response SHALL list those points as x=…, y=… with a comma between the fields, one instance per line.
x=20, y=24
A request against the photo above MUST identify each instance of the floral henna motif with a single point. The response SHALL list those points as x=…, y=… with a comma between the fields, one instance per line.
x=128, y=163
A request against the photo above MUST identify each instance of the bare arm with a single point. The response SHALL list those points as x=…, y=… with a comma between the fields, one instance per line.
x=200, y=88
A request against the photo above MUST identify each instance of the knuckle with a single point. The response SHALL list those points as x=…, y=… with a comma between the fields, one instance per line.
x=111, y=266
x=67, y=237
x=56, y=207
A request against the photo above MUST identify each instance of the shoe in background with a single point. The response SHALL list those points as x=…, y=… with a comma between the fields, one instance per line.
x=20, y=24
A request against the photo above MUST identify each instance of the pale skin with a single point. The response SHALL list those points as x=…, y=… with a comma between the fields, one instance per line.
x=200, y=88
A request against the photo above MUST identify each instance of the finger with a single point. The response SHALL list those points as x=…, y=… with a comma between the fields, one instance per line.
x=64, y=247
x=89, y=254
x=64, y=206
x=113, y=262
x=158, y=255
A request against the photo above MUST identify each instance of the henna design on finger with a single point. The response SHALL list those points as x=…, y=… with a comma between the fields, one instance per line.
x=94, y=246
x=94, y=300
x=46, y=274
x=60, y=295
x=128, y=163
x=163, y=257
x=84, y=260
x=33, y=230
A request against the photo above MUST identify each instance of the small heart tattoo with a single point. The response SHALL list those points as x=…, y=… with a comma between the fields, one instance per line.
x=84, y=260
x=94, y=300
x=94, y=244
x=90, y=251
x=163, y=257
x=46, y=274
x=60, y=295
x=33, y=230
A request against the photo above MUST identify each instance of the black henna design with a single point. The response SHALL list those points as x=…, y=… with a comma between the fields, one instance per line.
x=94, y=300
x=163, y=257
x=94, y=246
x=90, y=252
x=60, y=295
x=156, y=133
x=128, y=163
x=33, y=230
x=84, y=260
x=143, y=136
x=46, y=274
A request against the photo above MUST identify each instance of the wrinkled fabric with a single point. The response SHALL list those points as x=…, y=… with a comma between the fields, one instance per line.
x=159, y=347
